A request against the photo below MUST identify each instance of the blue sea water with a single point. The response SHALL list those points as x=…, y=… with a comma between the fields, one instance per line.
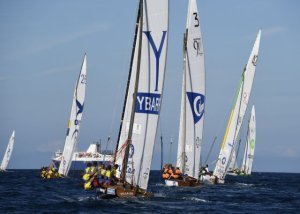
x=23, y=191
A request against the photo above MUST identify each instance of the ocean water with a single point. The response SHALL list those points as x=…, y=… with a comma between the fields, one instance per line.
x=23, y=191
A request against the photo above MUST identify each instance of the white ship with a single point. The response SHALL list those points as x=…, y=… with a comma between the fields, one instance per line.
x=80, y=159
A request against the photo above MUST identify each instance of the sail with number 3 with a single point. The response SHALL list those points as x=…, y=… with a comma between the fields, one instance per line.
x=237, y=114
x=74, y=122
x=192, y=96
x=144, y=93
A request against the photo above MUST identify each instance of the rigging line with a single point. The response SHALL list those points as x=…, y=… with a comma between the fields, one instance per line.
x=237, y=152
x=132, y=116
x=246, y=148
x=183, y=94
x=161, y=144
x=194, y=127
x=141, y=25
x=129, y=76
x=238, y=117
x=210, y=149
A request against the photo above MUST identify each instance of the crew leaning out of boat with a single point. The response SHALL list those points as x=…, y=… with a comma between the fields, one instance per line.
x=169, y=172
x=101, y=176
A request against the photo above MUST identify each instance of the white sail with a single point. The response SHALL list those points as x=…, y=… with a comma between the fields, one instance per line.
x=250, y=144
x=8, y=152
x=149, y=94
x=232, y=163
x=237, y=113
x=74, y=122
x=192, y=97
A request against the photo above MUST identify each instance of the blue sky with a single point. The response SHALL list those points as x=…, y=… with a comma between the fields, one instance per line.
x=42, y=44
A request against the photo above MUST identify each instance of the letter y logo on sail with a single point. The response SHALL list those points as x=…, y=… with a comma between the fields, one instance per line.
x=197, y=105
x=157, y=52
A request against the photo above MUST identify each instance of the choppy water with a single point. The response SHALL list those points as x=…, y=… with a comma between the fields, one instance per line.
x=23, y=191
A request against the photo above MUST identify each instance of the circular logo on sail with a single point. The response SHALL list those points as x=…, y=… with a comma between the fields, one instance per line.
x=223, y=160
x=197, y=105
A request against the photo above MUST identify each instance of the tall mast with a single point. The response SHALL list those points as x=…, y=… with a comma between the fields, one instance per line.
x=129, y=138
x=184, y=100
x=238, y=119
x=128, y=80
x=246, y=148
x=162, y=152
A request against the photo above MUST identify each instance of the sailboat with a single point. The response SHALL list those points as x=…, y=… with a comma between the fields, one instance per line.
x=237, y=115
x=74, y=121
x=8, y=152
x=246, y=168
x=142, y=102
x=192, y=102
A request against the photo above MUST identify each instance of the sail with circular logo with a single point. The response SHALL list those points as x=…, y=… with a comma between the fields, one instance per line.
x=192, y=96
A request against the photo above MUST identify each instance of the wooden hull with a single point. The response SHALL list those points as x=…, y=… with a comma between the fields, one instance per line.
x=122, y=191
x=185, y=182
x=211, y=179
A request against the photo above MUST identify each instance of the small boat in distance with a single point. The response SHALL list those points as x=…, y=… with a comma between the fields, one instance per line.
x=8, y=152
x=80, y=159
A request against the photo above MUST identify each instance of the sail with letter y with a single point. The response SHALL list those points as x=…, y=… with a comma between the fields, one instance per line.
x=143, y=96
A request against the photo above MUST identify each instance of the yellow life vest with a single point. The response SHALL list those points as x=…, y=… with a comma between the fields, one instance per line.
x=113, y=172
x=93, y=169
x=87, y=186
x=108, y=174
x=86, y=177
x=87, y=170
x=103, y=172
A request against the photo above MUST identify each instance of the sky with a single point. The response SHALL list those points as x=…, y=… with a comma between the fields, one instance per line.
x=42, y=44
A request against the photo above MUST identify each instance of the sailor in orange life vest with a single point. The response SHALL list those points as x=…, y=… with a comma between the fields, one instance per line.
x=169, y=172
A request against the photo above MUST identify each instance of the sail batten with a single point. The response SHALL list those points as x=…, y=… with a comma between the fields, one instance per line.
x=74, y=121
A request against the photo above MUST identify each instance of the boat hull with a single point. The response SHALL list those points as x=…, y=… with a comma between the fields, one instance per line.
x=122, y=191
x=211, y=179
x=185, y=182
